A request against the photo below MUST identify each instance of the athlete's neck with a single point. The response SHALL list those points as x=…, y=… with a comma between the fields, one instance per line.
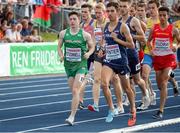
x=87, y=21
x=125, y=17
x=114, y=23
x=155, y=17
x=100, y=21
x=164, y=25
x=74, y=30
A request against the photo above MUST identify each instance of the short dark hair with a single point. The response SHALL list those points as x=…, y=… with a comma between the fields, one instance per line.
x=113, y=4
x=154, y=2
x=141, y=4
x=74, y=13
x=129, y=1
x=163, y=8
x=87, y=6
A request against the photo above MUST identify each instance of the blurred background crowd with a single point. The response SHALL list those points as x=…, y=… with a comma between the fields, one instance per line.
x=23, y=20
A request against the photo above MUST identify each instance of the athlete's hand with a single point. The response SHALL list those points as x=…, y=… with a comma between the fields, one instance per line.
x=114, y=35
x=174, y=48
x=152, y=53
x=61, y=58
x=86, y=55
x=101, y=53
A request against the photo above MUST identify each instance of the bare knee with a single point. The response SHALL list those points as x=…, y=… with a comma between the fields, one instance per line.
x=97, y=81
x=75, y=92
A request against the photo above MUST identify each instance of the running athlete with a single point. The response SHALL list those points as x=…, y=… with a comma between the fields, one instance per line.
x=117, y=38
x=78, y=46
x=162, y=50
x=141, y=15
x=99, y=24
x=147, y=62
x=132, y=54
x=88, y=26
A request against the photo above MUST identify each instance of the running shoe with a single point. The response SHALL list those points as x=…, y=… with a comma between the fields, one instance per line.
x=158, y=115
x=119, y=110
x=69, y=122
x=176, y=90
x=110, y=116
x=81, y=105
x=132, y=119
x=146, y=101
x=93, y=108
x=125, y=100
x=153, y=99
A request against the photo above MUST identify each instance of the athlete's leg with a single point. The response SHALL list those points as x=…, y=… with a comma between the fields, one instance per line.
x=75, y=96
x=118, y=92
x=96, y=86
x=162, y=77
x=141, y=83
x=126, y=87
x=106, y=75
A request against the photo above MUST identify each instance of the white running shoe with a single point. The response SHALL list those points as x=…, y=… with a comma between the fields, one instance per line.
x=141, y=107
x=153, y=99
x=119, y=110
x=146, y=101
x=125, y=100
x=70, y=121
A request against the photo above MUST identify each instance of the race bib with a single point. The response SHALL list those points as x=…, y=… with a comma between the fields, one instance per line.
x=98, y=34
x=73, y=54
x=162, y=43
x=113, y=52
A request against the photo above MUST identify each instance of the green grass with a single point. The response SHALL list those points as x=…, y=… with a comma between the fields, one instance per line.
x=48, y=37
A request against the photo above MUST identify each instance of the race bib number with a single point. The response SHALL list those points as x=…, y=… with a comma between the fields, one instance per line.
x=162, y=43
x=73, y=54
x=113, y=52
x=98, y=34
x=138, y=66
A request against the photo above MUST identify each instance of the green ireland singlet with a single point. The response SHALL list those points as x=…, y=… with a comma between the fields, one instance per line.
x=74, y=50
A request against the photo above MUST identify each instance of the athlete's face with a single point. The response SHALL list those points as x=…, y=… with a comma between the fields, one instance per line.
x=132, y=11
x=99, y=13
x=74, y=21
x=153, y=9
x=112, y=13
x=85, y=13
x=124, y=8
x=141, y=12
x=163, y=17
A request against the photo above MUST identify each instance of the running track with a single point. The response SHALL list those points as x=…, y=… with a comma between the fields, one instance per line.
x=41, y=104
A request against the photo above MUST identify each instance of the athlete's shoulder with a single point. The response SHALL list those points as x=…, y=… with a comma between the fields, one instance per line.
x=86, y=35
x=62, y=33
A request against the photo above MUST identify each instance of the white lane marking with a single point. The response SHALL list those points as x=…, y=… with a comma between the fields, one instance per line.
x=44, y=84
x=51, y=89
x=50, y=103
x=57, y=112
x=90, y=120
x=145, y=126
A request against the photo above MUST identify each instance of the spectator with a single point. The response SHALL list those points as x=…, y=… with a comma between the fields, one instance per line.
x=11, y=34
x=10, y=18
x=25, y=31
x=35, y=37
x=19, y=29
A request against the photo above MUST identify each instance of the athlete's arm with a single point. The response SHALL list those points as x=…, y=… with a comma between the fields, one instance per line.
x=148, y=44
x=91, y=44
x=176, y=35
x=143, y=25
x=124, y=31
x=60, y=43
x=140, y=34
